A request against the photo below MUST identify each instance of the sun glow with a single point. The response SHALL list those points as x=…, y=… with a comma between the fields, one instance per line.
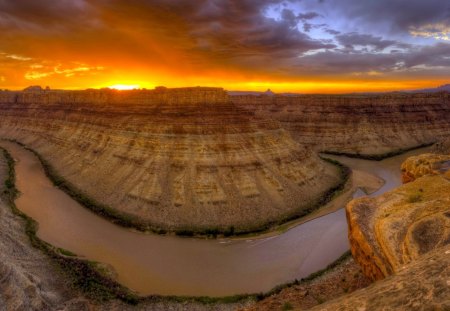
x=123, y=87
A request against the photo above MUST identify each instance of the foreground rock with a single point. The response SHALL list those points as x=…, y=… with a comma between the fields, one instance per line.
x=424, y=284
x=336, y=282
x=398, y=227
x=425, y=164
x=171, y=159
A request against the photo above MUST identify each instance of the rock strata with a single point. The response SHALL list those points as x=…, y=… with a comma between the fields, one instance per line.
x=357, y=124
x=398, y=227
x=176, y=159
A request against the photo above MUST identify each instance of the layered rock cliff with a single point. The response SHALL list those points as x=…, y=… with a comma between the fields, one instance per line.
x=177, y=159
x=357, y=124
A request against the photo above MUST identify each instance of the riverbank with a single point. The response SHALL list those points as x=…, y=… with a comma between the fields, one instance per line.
x=70, y=281
x=60, y=218
x=368, y=183
x=378, y=157
x=54, y=279
x=162, y=299
x=315, y=209
x=343, y=278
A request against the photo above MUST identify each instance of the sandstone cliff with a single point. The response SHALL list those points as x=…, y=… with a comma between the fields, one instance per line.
x=398, y=227
x=421, y=285
x=177, y=159
x=425, y=164
x=357, y=124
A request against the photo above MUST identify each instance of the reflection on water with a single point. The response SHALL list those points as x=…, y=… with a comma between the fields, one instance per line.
x=152, y=264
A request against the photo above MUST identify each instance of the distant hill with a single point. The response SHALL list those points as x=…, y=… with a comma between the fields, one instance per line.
x=442, y=88
x=268, y=92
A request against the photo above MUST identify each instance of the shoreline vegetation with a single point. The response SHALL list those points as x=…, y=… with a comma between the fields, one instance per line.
x=89, y=277
x=133, y=222
x=377, y=157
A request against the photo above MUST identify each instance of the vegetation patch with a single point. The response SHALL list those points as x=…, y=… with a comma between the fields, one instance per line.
x=377, y=157
x=415, y=198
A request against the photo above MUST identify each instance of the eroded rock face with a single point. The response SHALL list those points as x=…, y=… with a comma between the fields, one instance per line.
x=400, y=226
x=176, y=158
x=424, y=284
x=363, y=124
x=425, y=164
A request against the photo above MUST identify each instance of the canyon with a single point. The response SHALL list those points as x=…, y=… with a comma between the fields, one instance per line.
x=196, y=160
x=367, y=125
x=201, y=161
x=170, y=160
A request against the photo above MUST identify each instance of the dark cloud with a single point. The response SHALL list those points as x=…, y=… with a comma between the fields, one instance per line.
x=307, y=27
x=229, y=35
x=387, y=15
x=331, y=31
x=415, y=59
x=308, y=15
x=350, y=40
x=233, y=28
x=44, y=15
x=225, y=29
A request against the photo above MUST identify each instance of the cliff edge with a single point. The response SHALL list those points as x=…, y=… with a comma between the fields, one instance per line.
x=185, y=160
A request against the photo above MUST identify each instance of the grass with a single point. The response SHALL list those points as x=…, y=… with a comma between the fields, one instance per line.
x=377, y=157
x=287, y=306
x=415, y=198
x=87, y=276
x=130, y=221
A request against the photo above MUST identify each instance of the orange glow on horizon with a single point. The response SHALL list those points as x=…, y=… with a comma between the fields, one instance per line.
x=124, y=87
x=114, y=44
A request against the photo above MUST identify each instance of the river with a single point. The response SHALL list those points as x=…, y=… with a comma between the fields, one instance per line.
x=170, y=265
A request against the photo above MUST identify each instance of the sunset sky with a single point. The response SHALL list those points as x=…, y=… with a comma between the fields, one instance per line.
x=324, y=46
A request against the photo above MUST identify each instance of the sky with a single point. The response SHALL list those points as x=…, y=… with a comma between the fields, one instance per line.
x=305, y=46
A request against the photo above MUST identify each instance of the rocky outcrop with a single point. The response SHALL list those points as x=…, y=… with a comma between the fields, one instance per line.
x=402, y=239
x=357, y=124
x=424, y=284
x=425, y=164
x=400, y=226
x=176, y=159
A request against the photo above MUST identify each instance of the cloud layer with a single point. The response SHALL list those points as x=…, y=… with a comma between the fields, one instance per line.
x=82, y=43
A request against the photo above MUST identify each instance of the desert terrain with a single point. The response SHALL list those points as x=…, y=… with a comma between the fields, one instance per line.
x=199, y=159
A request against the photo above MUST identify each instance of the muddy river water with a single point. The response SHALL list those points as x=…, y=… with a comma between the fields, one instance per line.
x=169, y=265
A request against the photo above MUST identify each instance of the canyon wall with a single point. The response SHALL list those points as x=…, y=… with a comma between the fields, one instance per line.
x=357, y=124
x=175, y=159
